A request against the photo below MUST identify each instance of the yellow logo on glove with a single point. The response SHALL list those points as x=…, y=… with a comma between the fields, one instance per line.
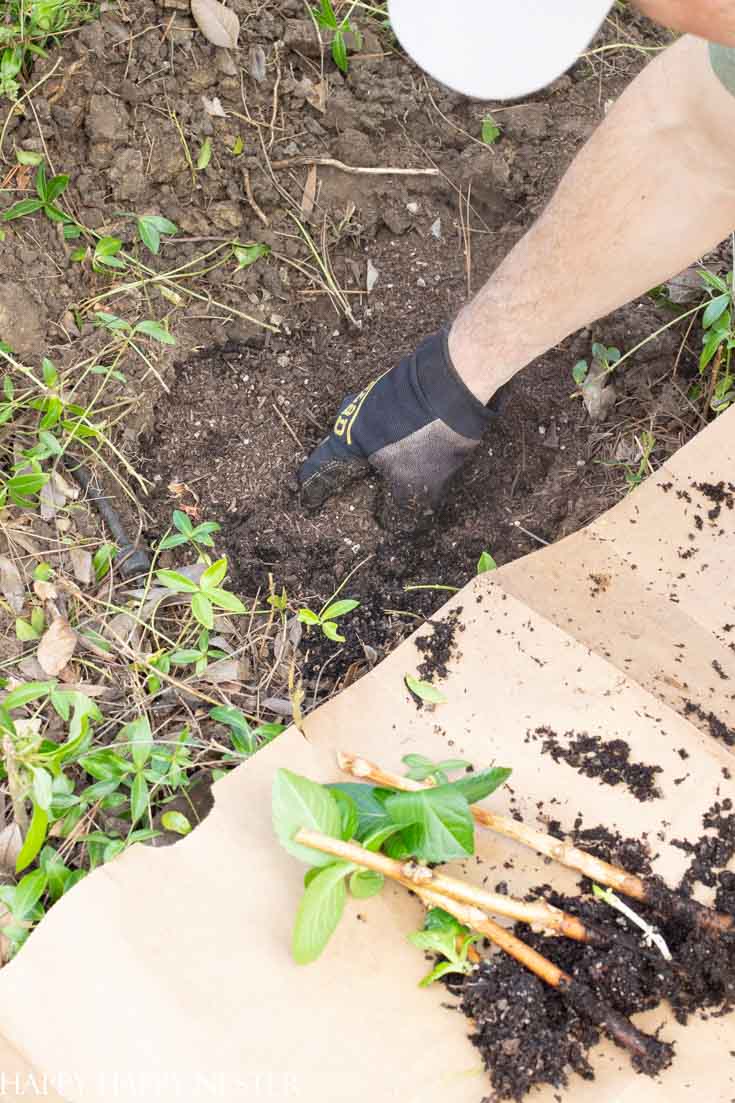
x=347, y=417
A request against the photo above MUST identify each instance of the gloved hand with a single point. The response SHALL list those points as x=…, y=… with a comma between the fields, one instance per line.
x=415, y=426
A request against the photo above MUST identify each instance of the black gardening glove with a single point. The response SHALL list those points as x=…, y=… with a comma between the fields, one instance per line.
x=415, y=426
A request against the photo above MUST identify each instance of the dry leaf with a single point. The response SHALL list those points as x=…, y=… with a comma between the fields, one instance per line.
x=315, y=94
x=257, y=63
x=31, y=669
x=81, y=561
x=11, y=584
x=372, y=276
x=309, y=197
x=214, y=108
x=218, y=24
x=45, y=590
x=50, y=498
x=11, y=841
x=56, y=647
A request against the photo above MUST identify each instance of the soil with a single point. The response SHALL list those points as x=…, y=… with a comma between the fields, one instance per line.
x=605, y=759
x=221, y=422
x=530, y=1034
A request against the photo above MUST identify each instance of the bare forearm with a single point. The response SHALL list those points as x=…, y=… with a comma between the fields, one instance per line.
x=711, y=19
x=651, y=191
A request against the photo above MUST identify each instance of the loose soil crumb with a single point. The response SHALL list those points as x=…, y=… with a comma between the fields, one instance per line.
x=438, y=647
x=718, y=729
x=608, y=760
x=719, y=494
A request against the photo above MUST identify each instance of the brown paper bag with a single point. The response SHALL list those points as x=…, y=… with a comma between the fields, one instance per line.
x=166, y=974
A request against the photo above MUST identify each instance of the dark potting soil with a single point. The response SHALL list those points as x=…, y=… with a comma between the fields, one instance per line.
x=530, y=1034
x=608, y=760
x=718, y=729
x=439, y=646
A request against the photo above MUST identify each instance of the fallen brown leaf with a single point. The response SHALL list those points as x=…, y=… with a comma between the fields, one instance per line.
x=56, y=647
x=218, y=24
x=11, y=584
x=11, y=842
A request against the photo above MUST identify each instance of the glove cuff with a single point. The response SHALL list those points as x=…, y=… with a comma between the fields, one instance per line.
x=445, y=393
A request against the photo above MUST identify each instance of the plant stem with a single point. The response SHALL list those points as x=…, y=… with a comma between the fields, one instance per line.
x=462, y=900
x=648, y=890
x=416, y=877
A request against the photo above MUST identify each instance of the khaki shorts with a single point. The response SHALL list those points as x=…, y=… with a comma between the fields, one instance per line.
x=723, y=63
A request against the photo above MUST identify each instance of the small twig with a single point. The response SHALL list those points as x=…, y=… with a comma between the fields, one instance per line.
x=330, y=162
x=287, y=427
x=251, y=199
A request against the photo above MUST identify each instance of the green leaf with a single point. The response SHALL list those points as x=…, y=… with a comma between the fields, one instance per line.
x=339, y=51
x=214, y=574
x=319, y=912
x=377, y=839
x=579, y=372
x=41, y=787
x=21, y=209
x=371, y=813
x=338, y=609
x=183, y=658
x=442, y=969
x=150, y=228
x=182, y=522
x=242, y=735
x=332, y=632
x=486, y=563
x=365, y=883
x=238, y=146
x=299, y=802
x=349, y=814
x=223, y=599
x=28, y=892
x=201, y=608
x=57, y=874
x=437, y=823
x=245, y=255
x=477, y=786
x=102, y=559
x=138, y=798
x=425, y=691
x=34, y=840
x=714, y=340
x=28, y=157
x=437, y=940
x=107, y=247
x=56, y=186
x=25, y=631
x=153, y=329
x=205, y=155
x=436, y=919
x=29, y=691
x=713, y=280
x=176, y=821
x=715, y=309
x=50, y=374
x=105, y=765
x=179, y=583
x=138, y=734
x=307, y=617
x=490, y=130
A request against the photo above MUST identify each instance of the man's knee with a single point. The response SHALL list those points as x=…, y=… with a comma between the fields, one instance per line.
x=723, y=63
